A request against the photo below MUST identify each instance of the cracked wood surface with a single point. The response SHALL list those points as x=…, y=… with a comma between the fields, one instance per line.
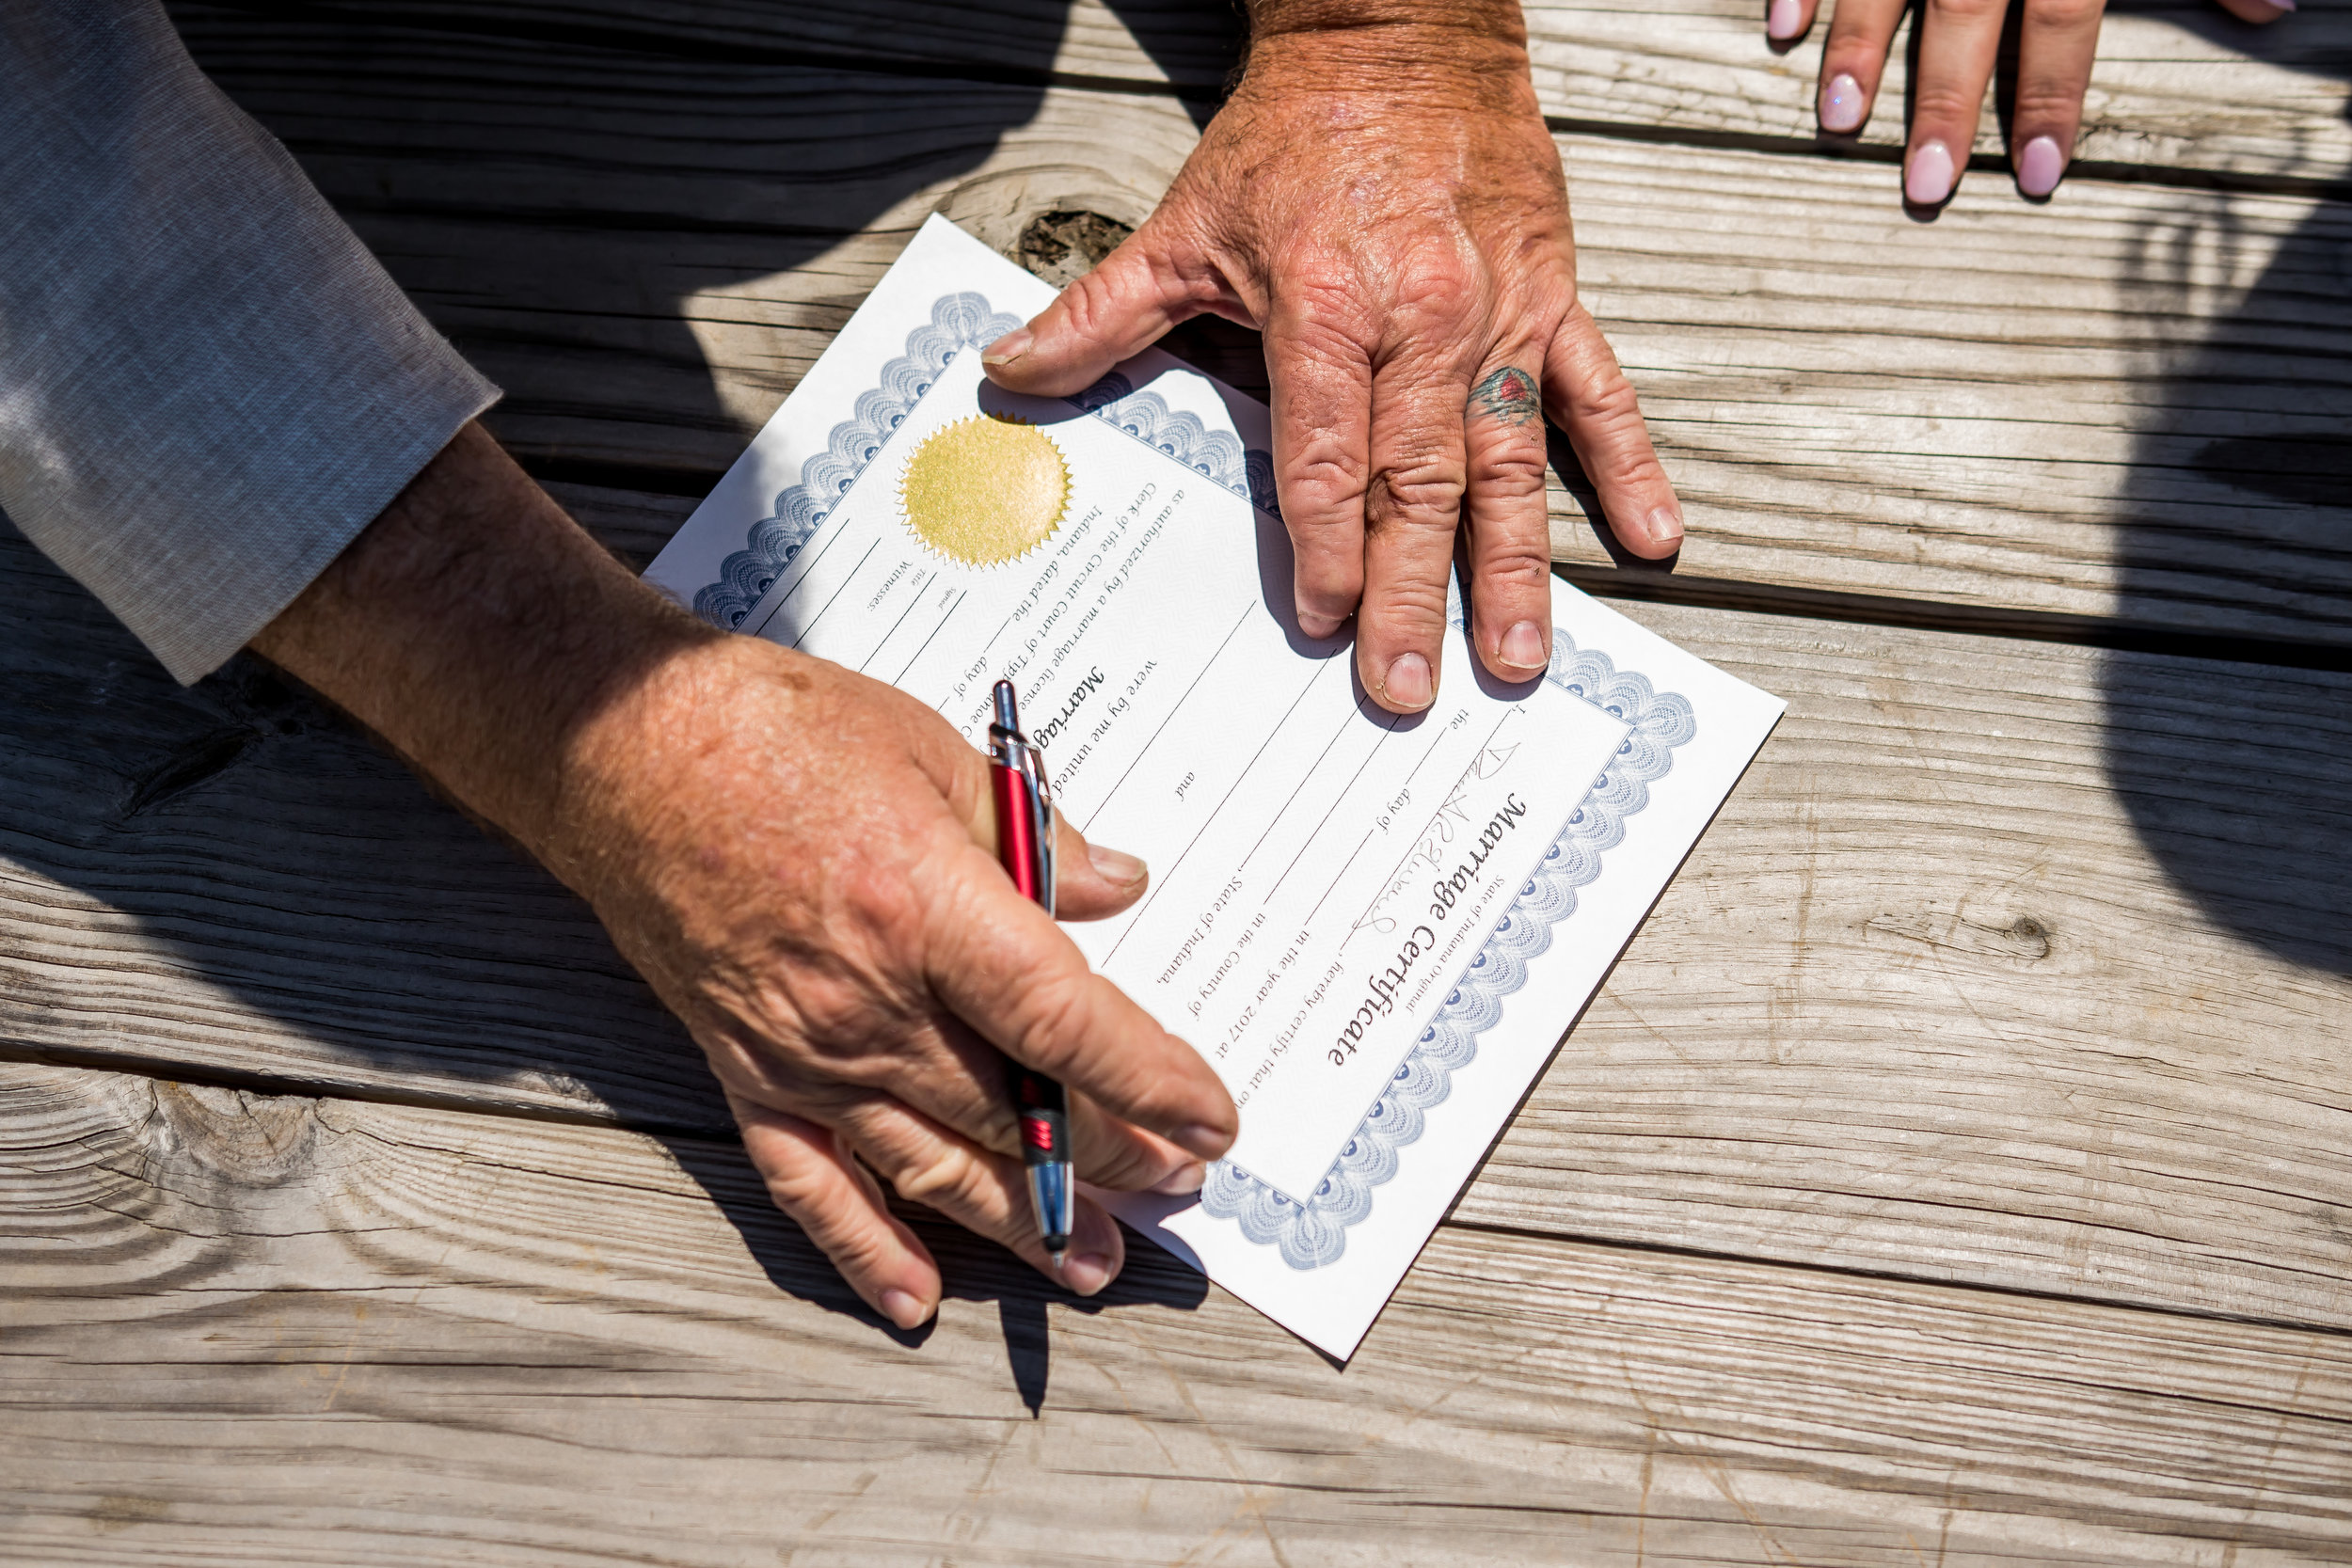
x=2124, y=410
x=1992, y=970
x=247, y=1328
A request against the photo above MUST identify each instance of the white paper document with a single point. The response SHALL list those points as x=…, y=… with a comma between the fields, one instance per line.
x=1375, y=928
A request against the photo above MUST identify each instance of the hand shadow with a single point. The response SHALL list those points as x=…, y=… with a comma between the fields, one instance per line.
x=2239, y=486
x=974, y=1270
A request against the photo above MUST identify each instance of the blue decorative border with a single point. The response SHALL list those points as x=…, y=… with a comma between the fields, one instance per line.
x=1218, y=454
x=959, y=322
x=1313, y=1234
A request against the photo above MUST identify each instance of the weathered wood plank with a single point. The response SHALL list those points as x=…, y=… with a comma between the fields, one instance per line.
x=2133, y=408
x=247, y=1328
x=2010, y=963
x=1990, y=929
x=2179, y=87
x=2129, y=406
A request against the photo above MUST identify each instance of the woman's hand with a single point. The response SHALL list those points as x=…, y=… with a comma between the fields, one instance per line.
x=1958, y=43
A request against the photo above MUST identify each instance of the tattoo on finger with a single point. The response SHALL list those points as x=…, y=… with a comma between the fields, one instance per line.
x=1508, y=394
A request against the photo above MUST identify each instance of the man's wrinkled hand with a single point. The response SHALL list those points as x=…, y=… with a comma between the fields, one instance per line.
x=1382, y=199
x=800, y=860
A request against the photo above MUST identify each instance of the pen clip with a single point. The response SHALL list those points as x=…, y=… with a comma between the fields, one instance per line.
x=1032, y=771
x=1011, y=748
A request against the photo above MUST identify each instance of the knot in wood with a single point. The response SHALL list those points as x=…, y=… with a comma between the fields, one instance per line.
x=1063, y=246
x=231, y=1137
x=2031, y=936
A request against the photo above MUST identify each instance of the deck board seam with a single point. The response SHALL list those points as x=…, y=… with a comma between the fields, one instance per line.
x=304, y=1085
x=297, y=1086
x=2118, y=634
x=2336, y=187
x=1896, y=1277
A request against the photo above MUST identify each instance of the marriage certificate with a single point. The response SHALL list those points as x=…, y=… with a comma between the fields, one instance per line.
x=1374, y=927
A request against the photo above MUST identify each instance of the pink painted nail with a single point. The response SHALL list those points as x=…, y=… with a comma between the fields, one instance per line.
x=1928, y=178
x=2039, y=167
x=1783, y=21
x=1841, y=104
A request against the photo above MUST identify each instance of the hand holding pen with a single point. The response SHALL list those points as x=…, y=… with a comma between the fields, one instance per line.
x=1027, y=833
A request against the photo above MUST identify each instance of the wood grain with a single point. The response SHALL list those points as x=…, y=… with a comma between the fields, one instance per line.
x=1956, y=1164
x=2126, y=408
x=2132, y=407
x=257, y=1329
x=2010, y=963
x=1997, y=968
x=2180, y=86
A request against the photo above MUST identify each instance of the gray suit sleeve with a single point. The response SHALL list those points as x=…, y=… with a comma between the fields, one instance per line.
x=208, y=387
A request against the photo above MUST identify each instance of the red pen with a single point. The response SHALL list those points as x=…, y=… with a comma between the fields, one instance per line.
x=1024, y=843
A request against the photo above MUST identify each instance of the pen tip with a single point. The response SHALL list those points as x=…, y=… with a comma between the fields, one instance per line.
x=1057, y=1255
x=1007, y=716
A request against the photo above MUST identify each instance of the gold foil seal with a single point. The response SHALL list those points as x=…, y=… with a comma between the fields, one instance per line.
x=985, y=491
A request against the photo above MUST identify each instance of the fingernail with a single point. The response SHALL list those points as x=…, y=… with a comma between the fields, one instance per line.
x=1116, y=865
x=903, y=1310
x=1841, y=104
x=2040, y=166
x=2283, y=5
x=1202, y=1139
x=1665, y=525
x=1408, y=686
x=1183, y=1180
x=1523, y=647
x=1928, y=178
x=1781, y=20
x=1004, y=350
x=1315, y=624
x=1085, y=1273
